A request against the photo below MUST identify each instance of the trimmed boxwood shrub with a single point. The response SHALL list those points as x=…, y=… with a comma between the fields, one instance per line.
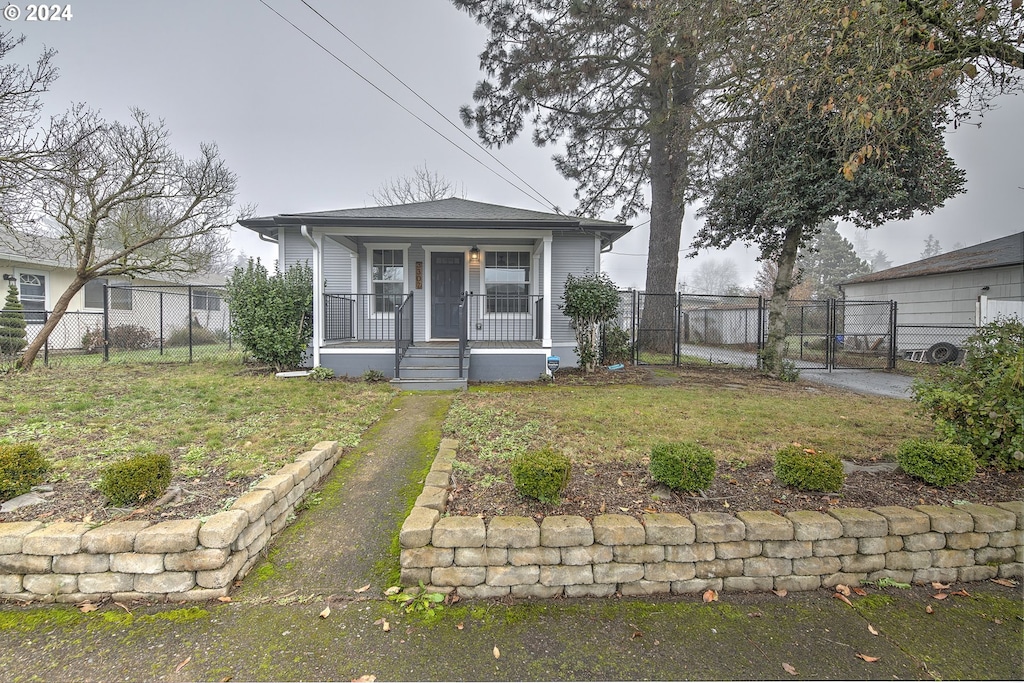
x=939, y=463
x=136, y=480
x=809, y=470
x=21, y=468
x=682, y=466
x=541, y=474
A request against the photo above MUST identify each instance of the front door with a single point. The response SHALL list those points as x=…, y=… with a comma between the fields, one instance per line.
x=446, y=286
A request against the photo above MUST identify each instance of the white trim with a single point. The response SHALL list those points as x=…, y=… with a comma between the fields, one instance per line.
x=316, y=242
x=466, y=235
x=358, y=350
x=47, y=276
x=391, y=246
x=428, y=251
x=531, y=283
x=546, y=351
x=548, y=303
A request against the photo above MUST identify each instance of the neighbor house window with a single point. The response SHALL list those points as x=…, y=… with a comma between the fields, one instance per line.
x=120, y=294
x=205, y=300
x=507, y=281
x=387, y=275
x=32, y=292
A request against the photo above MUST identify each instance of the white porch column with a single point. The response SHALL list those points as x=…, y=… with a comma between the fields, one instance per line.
x=318, y=292
x=548, y=303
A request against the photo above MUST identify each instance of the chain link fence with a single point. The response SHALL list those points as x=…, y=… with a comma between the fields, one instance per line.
x=141, y=324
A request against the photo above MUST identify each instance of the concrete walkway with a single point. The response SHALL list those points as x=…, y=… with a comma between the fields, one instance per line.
x=278, y=625
x=874, y=382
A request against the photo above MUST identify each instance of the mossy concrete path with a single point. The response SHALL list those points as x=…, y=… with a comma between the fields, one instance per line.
x=343, y=540
x=277, y=625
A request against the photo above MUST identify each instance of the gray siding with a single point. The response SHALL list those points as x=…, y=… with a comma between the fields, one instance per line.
x=946, y=299
x=573, y=253
x=337, y=268
x=292, y=249
x=507, y=367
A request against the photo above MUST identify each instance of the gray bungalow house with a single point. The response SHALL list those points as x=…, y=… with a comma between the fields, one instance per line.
x=435, y=293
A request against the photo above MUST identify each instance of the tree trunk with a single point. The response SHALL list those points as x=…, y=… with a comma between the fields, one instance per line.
x=28, y=358
x=777, y=326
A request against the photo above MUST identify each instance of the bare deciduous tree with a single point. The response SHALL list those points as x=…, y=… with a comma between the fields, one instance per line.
x=116, y=200
x=423, y=185
x=714, y=277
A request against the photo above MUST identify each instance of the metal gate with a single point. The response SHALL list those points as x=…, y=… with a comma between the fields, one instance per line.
x=703, y=329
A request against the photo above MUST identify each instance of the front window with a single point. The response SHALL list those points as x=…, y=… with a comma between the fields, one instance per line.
x=387, y=274
x=507, y=280
x=120, y=295
x=205, y=300
x=32, y=292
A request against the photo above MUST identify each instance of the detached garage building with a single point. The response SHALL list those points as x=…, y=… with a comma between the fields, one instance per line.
x=963, y=287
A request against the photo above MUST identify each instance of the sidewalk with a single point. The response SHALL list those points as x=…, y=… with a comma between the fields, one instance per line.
x=274, y=629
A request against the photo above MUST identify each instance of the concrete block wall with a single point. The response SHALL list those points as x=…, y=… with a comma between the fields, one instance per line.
x=189, y=559
x=670, y=553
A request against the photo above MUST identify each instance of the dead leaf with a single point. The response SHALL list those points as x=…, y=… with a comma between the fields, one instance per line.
x=939, y=586
x=363, y=589
x=872, y=630
x=497, y=652
x=394, y=590
x=182, y=664
x=122, y=606
x=225, y=679
x=940, y=596
x=460, y=626
x=710, y=595
x=1005, y=582
x=87, y=607
x=860, y=591
x=782, y=592
x=624, y=509
x=620, y=482
x=842, y=597
x=868, y=658
x=364, y=679
x=224, y=598
x=603, y=508
x=929, y=609
x=326, y=613
x=754, y=615
x=386, y=626
x=789, y=668
x=845, y=590
x=961, y=592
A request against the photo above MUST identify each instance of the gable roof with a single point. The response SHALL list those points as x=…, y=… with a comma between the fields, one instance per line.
x=442, y=213
x=998, y=253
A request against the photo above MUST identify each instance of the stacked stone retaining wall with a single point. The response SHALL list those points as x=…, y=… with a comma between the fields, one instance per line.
x=670, y=553
x=190, y=559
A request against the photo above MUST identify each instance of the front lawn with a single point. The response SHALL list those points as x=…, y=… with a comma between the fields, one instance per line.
x=222, y=424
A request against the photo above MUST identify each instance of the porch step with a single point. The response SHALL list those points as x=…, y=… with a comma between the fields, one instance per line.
x=429, y=384
x=432, y=368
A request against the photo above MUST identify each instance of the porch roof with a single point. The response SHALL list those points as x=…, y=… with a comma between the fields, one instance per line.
x=443, y=213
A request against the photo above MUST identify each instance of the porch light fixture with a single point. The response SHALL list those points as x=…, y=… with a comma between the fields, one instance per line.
x=8, y=277
x=474, y=253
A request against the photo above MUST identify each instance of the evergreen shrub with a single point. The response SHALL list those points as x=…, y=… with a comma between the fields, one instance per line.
x=21, y=468
x=12, y=324
x=541, y=474
x=809, y=470
x=682, y=466
x=939, y=463
x=136, y=480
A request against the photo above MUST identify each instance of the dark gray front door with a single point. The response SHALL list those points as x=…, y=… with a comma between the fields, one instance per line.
x=446, y=286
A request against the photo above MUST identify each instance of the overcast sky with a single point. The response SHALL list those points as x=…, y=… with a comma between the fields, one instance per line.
x=304, y=133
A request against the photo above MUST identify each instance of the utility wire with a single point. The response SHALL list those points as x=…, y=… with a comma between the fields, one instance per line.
x=399, y=104
x=451, y=123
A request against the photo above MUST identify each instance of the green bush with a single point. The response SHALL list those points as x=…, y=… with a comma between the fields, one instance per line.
x=980, y=403
x=21, y=468
x=587, y=301
x=200, y=336
x=809, y=470
x=682, y=466
x=617, y=347
x=321, y=374
x=12, y=324
x=939, y=463
x=541, y=474
x=136, y=480
x=272, y=316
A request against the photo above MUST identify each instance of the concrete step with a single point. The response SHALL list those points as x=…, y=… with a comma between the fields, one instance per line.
x=433, y=371
x=434, y=350
x=431, y=361
x=429, y=384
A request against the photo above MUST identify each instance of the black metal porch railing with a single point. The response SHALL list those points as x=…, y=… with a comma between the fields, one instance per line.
x=360, y=317
x=463, y=332
x=504, y=317
x=403, y=330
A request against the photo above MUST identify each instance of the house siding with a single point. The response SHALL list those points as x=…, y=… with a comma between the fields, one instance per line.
x=574, y=254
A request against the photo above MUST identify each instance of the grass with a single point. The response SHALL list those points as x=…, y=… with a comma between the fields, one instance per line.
x=622, y=422
x=170, y=354
x=204, y=414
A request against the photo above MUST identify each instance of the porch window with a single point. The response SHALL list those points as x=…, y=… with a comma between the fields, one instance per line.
x=32, y=292
x=507, y=281
x=387, y=273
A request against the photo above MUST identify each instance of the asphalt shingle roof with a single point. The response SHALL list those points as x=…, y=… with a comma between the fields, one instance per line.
x=1005, y=251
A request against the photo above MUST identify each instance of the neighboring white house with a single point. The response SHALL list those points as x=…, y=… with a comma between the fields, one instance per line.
x=951, y=288
x=160, y=304
x=430, y=275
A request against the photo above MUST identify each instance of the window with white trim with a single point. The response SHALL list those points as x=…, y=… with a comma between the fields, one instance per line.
x=387, y=277
x=120, y=294
x=507, y=281
x=32, y=292
x=205, y=300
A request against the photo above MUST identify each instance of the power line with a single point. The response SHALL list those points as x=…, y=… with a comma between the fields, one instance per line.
x=432, y=107
x=396, y=102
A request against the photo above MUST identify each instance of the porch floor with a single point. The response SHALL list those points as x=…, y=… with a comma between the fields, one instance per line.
x=378, y=344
